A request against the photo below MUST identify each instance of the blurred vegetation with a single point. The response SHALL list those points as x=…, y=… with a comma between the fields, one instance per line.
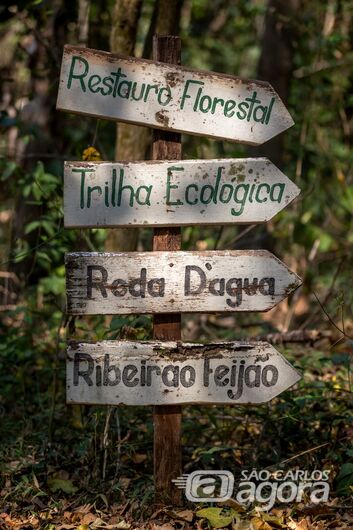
x=103, y=454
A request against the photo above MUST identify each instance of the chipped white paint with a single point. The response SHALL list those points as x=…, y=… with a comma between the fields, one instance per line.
x=171, y=97
x=167, y=373
x=174, y=193
x=173, y=282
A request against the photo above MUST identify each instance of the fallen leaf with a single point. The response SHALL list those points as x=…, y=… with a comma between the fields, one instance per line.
x=185, y=515
x=68, y=515
x=273, y=520
x=122, y=524
x=98, y=523
x=215, y=516
x=76, y=517
x=83, y=508
x=88, y=518
x=301, y=525
x=59, y=484
x=259, y=524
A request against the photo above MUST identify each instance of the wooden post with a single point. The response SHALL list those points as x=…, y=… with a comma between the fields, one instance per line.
x=167, y=419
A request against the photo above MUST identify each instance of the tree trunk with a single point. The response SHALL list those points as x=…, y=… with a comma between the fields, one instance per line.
x=165, y=21
x=132, y=142
x=39, y=115
x=276, y=67
x=276, y=63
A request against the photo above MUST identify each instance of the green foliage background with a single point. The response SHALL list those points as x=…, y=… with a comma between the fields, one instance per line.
x=41, y=436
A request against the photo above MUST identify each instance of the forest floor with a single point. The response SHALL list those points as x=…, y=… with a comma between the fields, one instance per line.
x=91, y=467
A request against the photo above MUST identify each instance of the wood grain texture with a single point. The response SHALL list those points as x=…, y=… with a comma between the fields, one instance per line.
x=101, y=84
x=167, y=373
x=167, y=420
x=175, y=193
x=173, y=282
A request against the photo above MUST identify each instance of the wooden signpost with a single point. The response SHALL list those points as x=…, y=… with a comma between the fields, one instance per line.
x=187, y=192
x=170, y=97
x=171, y=282
x=167, y=193
x=167, y=419
x=169, y=373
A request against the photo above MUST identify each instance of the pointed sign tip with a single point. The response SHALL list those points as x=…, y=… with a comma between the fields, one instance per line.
x=296, y=283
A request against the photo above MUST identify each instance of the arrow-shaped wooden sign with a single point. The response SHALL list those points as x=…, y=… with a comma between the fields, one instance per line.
x=187, y=192
x=171, y=97
x=172, y=282
x=168, y=373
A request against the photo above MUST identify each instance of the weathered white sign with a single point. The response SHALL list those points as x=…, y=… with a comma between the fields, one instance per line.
x=173, y=282
x=169, y=97
x=166, y=373
x=187, y=192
